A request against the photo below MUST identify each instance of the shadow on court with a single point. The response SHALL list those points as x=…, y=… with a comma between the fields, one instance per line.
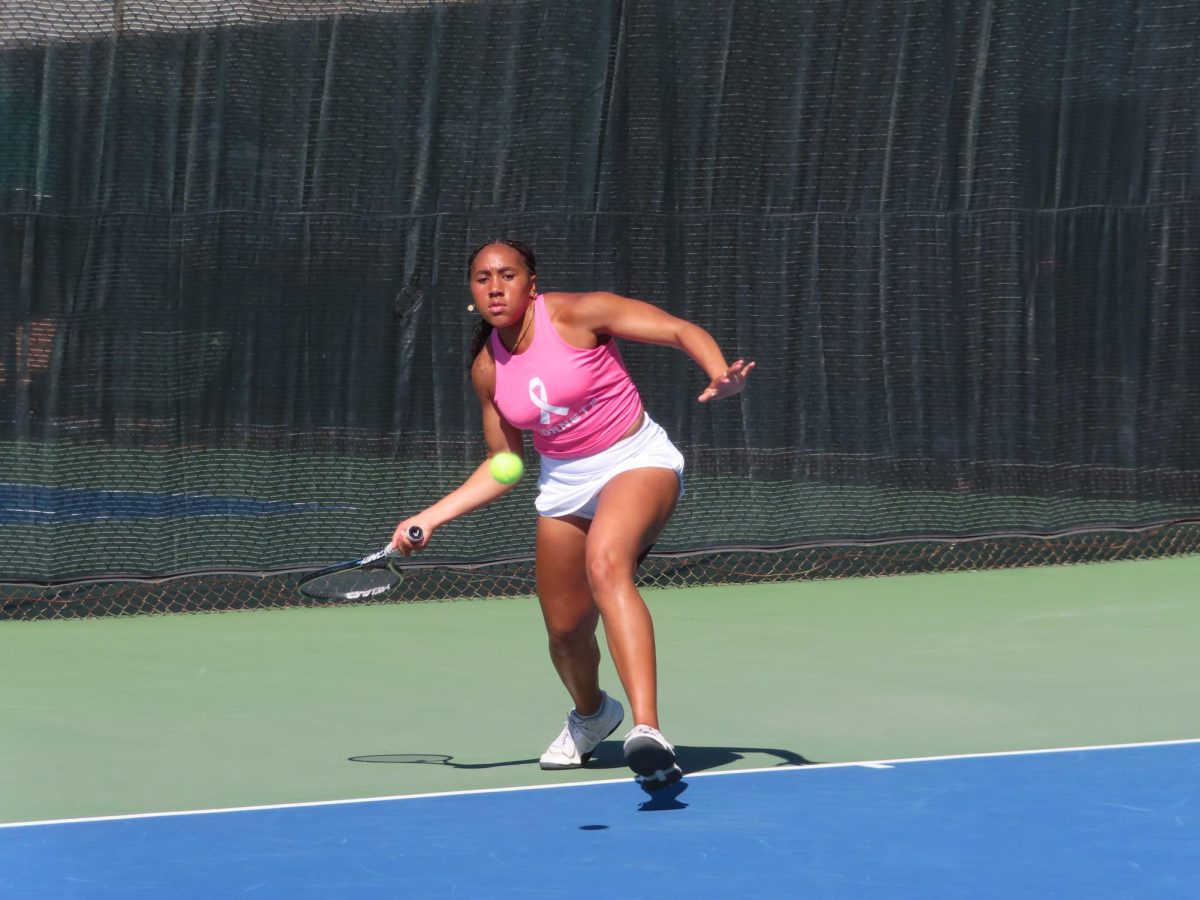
x=610, y=756
x=665, y=799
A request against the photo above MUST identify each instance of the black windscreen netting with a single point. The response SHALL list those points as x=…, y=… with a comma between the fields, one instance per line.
x=959, y=239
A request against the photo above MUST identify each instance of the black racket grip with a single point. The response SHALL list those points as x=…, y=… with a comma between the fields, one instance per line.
x=415, y=534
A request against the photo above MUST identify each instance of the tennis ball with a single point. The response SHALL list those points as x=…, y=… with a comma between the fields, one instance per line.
x=506, y=468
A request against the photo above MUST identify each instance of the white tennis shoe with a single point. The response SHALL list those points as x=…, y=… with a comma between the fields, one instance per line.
x=651, y=757
x=573, y=748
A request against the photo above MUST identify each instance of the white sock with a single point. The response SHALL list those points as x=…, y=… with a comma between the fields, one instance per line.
x=599, y=709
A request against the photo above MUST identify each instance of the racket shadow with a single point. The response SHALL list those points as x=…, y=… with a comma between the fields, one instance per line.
x=436, y=759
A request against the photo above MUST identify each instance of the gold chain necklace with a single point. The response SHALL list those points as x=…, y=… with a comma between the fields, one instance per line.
x=524, y=329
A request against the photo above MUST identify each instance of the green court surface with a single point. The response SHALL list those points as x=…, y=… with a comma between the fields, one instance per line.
x=147, y=714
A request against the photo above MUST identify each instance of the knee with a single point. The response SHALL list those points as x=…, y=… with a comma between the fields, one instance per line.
x=571, y=620
x=571, y=637
x=608, y=569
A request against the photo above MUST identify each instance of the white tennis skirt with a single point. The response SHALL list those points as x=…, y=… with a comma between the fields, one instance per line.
x=571, y=487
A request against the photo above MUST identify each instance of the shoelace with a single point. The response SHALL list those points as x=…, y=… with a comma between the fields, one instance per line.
x=583, y=729
x=565, y=736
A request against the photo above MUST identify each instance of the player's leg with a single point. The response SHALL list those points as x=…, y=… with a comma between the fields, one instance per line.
x=632, y=511
x=568, y=609
x=571, y=616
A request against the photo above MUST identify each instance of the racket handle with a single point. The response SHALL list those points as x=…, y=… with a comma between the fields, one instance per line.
x=415, y=534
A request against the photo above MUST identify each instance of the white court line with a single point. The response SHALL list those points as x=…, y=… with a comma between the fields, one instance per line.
x=870, y=764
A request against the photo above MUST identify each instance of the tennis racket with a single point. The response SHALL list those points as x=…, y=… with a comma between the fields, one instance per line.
x=371, y=576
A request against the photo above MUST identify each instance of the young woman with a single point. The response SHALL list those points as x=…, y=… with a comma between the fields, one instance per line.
x=609, y=481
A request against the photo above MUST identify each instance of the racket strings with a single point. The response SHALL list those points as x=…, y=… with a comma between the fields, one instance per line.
x=353, y=584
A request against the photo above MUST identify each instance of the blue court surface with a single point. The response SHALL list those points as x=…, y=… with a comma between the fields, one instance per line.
x=1093, y=822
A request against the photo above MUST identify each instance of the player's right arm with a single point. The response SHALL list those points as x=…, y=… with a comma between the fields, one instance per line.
x=480, y=488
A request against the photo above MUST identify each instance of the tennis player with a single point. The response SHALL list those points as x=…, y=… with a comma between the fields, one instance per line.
x=610, y=478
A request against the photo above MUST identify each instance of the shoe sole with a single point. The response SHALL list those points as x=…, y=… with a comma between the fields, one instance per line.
x=583, y=757
x=653, y=764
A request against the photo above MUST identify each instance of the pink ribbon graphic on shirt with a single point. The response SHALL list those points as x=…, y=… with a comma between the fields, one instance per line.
x=537, y=393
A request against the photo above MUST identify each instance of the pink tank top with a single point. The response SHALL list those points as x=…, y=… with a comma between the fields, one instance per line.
x=575, y=402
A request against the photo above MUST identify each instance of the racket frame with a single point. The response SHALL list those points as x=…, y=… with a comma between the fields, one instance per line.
x=415, y=534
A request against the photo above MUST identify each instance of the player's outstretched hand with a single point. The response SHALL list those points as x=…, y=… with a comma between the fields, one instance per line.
x=728, y=384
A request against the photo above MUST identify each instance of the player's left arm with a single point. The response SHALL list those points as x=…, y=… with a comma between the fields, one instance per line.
x=635, y=320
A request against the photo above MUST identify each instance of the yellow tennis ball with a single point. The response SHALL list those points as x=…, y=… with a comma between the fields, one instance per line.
x=506, y=468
